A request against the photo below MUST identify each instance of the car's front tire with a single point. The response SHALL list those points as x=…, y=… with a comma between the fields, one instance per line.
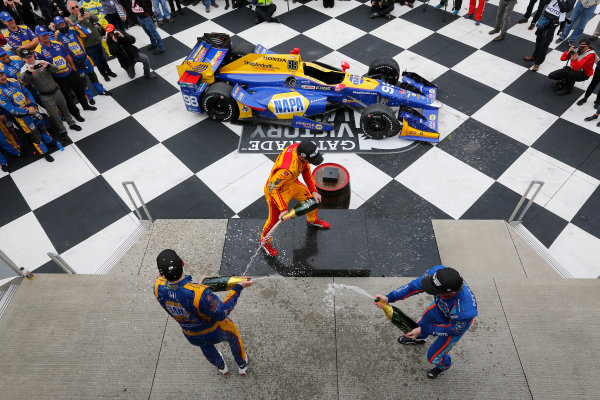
x=385, y=69
x=378, y=121
x=218, y=103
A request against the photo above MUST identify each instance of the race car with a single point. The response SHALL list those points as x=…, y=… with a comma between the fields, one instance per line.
x=251, y=83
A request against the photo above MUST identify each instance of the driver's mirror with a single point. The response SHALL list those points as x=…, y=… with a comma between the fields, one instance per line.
x=345, y=66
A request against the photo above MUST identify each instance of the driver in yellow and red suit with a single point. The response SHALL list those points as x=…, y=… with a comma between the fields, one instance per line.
x=283, y=185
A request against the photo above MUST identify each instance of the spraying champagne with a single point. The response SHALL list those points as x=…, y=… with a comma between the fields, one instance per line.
x=398, y=318
x=222, y=283
x=301, y=209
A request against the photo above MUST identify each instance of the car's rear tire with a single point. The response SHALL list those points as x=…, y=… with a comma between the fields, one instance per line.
x=218, y=103
x=378, y=121
x=239, y=51
x=385, y=69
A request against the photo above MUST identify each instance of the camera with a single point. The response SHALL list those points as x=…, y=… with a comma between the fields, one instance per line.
x=575, y=50
x=37, y=66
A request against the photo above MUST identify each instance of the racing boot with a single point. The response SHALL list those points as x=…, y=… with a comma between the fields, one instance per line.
x=319, y=223
x=224, y=370
x=268, y=247
x=4, y=167
x=434, y=372
x=244, y=368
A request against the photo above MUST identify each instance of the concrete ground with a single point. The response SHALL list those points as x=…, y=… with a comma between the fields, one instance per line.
x=90, y=336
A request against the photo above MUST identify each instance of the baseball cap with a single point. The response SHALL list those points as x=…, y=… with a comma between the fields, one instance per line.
x=4, y=16
x=24, y=53
x=169, y=264
x=109, y=28
x=444, y=280
x=308, y=150
x=40, y=30
x=58, y=19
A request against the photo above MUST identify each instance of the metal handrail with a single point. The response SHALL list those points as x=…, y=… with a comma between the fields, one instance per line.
x=520, y=218
x=135, y=207
x=11, y=264
x=61, y=263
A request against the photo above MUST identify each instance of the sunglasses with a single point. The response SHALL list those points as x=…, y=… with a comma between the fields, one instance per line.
x=74, y=7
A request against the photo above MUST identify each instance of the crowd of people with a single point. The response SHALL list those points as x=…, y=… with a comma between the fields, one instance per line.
x=52, y=48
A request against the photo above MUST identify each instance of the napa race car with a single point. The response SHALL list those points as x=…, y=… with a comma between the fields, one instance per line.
x=251, y=83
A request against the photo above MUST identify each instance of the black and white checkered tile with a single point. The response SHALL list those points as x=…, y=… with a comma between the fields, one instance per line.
x=501, y=126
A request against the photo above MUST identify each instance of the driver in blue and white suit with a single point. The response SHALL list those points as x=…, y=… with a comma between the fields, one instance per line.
x=448, y=317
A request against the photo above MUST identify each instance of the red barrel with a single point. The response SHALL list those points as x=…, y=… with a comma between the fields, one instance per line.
x=334, y=193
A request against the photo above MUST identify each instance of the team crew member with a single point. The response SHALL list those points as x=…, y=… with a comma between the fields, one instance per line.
x=18, y=35
x=264, y=11
x=71, y=37
x=18, y=101
x=10, y=65
x=8, y=142
x=201, y=314
x=39, y=74
x=283, y=185
x=449, y=316
x=67, y=77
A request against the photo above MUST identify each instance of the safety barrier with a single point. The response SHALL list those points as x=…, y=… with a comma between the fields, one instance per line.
x=11, y=264
x=135, y=206
x=58, y=260
x=520, y=218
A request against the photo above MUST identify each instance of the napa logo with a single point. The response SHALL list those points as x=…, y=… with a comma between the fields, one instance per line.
x=286, y=105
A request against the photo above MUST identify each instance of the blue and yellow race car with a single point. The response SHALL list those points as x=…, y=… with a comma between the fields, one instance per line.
x=251, y=83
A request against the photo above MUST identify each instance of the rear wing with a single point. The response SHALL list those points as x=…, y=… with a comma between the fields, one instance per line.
x=206, y=57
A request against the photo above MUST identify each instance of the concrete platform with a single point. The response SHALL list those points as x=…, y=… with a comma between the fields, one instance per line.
x=84, y=337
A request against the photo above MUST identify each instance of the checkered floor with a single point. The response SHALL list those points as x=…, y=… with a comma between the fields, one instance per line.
x=501, y=127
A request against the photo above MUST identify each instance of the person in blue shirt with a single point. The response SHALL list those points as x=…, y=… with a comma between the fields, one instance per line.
x=19, y=102
x=201, y=315
x=71, y=38
x=448, y=317
x=10, y=65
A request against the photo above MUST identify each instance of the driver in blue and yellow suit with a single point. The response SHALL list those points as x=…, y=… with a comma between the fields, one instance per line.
x=18, y=101
x=71, y=38
x=283, y=185
x=18, y=36
x=201, y=314
x=10, y=65
x=449, y=317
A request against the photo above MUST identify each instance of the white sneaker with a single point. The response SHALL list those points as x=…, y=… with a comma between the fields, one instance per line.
x=244, y=369
x=225, y=370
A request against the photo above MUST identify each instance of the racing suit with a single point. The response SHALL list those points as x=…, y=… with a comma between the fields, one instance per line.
x=73, y=43
x=8, y=142
x=202, y=316
x=14, y=98
x=448, y=319
x=283, y=185
x=13, y=68
x=22, y=37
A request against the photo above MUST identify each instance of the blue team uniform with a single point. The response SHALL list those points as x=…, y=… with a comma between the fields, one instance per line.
x=448, y=319
x=12, y=69
x=22, y=36
x=74, y=45
x=202, y=316
x=55, y=54
x=9, y=142
x=14, y=98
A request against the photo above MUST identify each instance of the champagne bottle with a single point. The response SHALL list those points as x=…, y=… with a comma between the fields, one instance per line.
x=222, y=283
x=300, y=209
x=398, y=318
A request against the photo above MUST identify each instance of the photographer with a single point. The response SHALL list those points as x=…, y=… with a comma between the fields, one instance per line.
x=382, y=8
x=555, y=11
x=264, y=11
x=582, y=60
x=120, y=44
x=39, y=74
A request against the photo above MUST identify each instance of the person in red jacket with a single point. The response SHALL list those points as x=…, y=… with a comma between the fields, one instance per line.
x=582, y=60
x=283, y=185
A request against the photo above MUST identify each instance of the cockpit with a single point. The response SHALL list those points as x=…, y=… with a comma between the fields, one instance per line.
x=327, y=77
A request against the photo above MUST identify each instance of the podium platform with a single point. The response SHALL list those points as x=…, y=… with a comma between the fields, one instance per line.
x=355, y=246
